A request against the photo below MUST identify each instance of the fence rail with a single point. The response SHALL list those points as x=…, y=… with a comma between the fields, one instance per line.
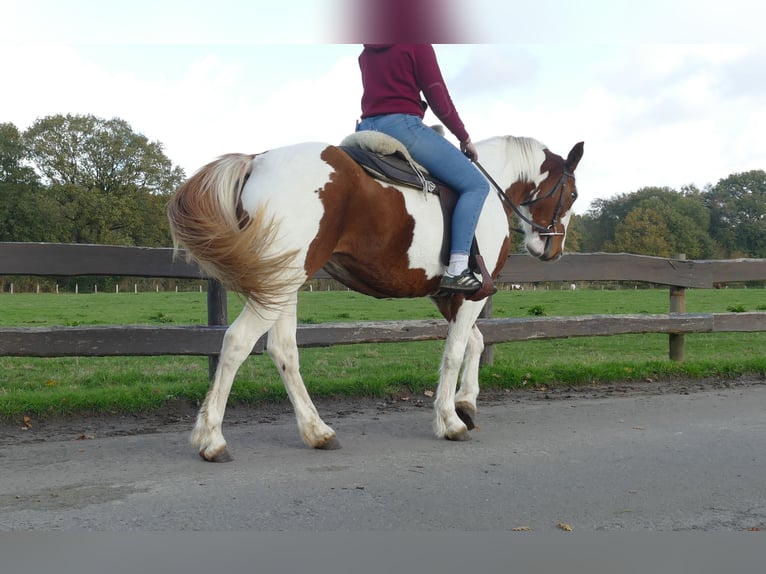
x=42, y=259
x=139, y=340
x=72, y=260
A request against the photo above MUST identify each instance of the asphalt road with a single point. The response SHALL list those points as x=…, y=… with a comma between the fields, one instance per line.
x=660, y=457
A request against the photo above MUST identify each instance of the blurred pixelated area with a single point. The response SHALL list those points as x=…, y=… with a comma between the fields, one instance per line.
x=401, y=21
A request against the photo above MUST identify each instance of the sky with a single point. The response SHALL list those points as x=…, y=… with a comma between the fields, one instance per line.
x=662, y=92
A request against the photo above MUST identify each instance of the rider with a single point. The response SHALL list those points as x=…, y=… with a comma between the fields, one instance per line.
x=393, y=78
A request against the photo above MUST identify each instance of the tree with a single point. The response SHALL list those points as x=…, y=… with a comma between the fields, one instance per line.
x=94, y=153
x=643, y=232
x=574, y=237
x=598, y=225
x=737, y=208
x=111, y=183
x=21, y=198
x=12, y=168
x=679, y=220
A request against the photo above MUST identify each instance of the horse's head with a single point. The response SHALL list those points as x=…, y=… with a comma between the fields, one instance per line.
x=543, y=205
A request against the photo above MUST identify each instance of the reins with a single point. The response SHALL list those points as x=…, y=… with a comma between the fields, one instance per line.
x=543, y=231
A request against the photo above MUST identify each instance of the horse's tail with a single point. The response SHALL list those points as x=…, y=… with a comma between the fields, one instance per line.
x=206, y=218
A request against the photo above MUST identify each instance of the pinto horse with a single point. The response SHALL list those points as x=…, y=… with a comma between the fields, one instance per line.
x=263, y=224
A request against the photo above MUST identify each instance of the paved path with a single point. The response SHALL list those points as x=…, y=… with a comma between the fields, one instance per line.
x=639, y=461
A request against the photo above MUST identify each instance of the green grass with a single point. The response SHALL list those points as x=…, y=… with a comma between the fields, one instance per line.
x=38, y=387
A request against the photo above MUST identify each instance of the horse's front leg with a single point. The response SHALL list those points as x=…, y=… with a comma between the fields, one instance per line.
x=465, y=400
x=448, y=423
x=283, y=350
x=238, y=342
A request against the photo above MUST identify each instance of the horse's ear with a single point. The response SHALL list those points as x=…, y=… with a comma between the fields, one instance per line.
x=575, y=155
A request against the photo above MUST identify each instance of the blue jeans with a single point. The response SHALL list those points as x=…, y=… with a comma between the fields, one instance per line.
x=445, y=162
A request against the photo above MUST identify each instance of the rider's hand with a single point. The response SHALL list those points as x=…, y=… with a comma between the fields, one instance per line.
x=469, y=150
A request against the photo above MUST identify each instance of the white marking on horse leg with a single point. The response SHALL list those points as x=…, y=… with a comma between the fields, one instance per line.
x=465, y=400
x=447, y=423
x=283, y=350
x=238, y=342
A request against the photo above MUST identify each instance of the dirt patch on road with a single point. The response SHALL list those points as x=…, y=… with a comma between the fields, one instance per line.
x=179, y=415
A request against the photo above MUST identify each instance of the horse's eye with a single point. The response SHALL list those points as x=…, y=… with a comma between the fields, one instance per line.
x=574, y=195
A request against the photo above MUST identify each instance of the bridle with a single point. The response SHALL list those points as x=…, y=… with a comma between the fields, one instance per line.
x=542, y=231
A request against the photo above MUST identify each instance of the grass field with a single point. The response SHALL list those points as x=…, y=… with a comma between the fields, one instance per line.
x=36, y=387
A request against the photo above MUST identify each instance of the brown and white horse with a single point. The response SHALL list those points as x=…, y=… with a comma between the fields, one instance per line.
x=262, y=224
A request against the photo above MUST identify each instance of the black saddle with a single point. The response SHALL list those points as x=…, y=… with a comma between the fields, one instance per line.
x=394, y=168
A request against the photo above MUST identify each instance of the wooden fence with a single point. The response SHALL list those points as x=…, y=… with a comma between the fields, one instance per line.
x=43, y=259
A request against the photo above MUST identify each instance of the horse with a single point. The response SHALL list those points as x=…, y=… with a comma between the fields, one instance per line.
x=262, y=224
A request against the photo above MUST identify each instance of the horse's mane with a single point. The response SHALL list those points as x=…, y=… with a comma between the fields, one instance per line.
x=526, y=153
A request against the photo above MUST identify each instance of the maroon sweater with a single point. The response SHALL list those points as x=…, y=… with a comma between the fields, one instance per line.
x=393, y=77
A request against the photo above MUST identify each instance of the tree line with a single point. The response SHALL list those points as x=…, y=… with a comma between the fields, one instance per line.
x=84, y=179
x=722, y=221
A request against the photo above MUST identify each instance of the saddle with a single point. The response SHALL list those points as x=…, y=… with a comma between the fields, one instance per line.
x=386, y=159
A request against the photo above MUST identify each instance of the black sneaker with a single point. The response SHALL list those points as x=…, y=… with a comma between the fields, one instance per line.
x=466, y=282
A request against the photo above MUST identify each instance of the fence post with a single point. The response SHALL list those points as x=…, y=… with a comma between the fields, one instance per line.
x=676, y=341
x=217, y=314
x=488, y=354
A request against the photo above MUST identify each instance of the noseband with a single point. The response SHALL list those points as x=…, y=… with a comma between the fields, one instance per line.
x=558, y=188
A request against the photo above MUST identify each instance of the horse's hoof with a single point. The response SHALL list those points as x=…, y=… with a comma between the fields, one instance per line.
x=466, y=412
x=459, y=437
x=330, y=444
x=220, y=456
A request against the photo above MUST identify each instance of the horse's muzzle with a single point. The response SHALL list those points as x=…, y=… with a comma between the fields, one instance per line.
x=550, y=256
x=552, y=250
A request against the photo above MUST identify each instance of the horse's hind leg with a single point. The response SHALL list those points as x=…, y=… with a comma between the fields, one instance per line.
x=465, y=400
x=238, y=342
x=283, y=350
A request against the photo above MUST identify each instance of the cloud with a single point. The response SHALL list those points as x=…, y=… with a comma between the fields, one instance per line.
x=208, y=103
x=225, y=115
x=170, y=22
x=54, y=79
x=665, y=116
x=489, y=70
x=744, y=76
x=323, y=108
x=614, y=22
x=649, y=115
